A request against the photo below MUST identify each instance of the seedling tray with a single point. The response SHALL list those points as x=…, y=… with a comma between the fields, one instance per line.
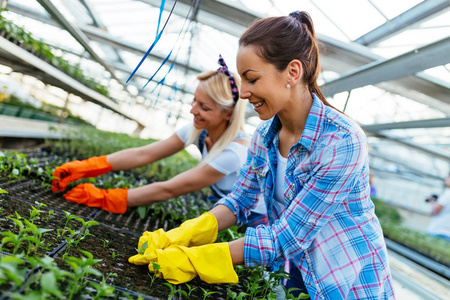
x=113, y=240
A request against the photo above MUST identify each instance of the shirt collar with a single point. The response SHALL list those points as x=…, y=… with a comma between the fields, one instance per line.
x=312, y=129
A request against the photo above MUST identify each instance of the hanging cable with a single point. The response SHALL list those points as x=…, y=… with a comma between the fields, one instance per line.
x=158, y=36
x=195, y=4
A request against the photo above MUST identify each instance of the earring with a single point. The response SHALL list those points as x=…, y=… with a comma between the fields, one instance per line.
x=288, y=86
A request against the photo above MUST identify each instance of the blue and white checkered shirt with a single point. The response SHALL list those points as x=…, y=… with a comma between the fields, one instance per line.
x=327, y=226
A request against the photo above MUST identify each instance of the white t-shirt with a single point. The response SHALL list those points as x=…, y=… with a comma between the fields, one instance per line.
x=227, y=162
x=279, y=183
x=440, y=224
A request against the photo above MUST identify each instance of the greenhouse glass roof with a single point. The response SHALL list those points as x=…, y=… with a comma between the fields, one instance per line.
x=385, y=63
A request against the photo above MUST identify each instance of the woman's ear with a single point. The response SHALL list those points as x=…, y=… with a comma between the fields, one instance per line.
x=228, y=115
x=295, y=71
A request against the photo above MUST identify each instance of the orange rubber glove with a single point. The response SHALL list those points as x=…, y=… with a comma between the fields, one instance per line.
x=180, y=264
x=74, y=170
x=113, y=200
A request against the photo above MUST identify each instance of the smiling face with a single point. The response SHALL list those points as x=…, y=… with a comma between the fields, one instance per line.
x=261, y=83
x=207, y=114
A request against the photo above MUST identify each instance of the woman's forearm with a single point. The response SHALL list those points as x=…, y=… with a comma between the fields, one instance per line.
x=237, y=251
x=148, y=194
x=225, y=217
x=137, y=157
x=126, y=159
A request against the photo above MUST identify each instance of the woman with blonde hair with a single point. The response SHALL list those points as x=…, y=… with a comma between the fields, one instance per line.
x=217, y=130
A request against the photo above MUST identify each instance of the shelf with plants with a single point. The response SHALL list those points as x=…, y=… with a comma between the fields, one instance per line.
x=91, y=246
x=434, y=248
x=15, y=107
x=43, y=51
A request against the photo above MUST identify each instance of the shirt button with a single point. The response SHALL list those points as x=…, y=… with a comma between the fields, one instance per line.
x=290, y=173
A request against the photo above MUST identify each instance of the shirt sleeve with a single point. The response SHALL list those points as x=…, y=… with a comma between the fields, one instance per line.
x=444, y=199
x=339, y=168
x=230, y=159
x=183, y=133
x=245, y=193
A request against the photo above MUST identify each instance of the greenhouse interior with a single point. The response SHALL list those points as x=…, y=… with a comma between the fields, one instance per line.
x=87, y=79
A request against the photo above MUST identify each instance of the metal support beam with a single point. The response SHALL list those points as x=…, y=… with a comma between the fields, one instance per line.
x=77, y=34
x=436, y=153
x=429, y=56
x=430, y=123
x=98, y=35
x=411, y=16
x=407, y=165
x=63, y=80
x=102, y=36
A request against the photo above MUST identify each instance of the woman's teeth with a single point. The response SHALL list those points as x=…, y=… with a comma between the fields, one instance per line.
x=258, y=104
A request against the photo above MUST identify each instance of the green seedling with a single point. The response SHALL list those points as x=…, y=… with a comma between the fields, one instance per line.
x=11, y=271
x=103, y=289
x=35, y=212
x=48, y=177
x=234, y=295
x=153, y=276
x=300, y=296
x=206, y=293
x=25, y=228
x=81, y=269
x=84, y=230
x=69, y=217
x=70, y=240
x=105, y=243
x=173, y=291
x=142, y=249
x=190, y=290
x=113, y=254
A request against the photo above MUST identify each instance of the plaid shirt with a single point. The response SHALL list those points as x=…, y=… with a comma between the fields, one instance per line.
x=327, y=226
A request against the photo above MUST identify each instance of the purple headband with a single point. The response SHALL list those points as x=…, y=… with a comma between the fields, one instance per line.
x=224, y=69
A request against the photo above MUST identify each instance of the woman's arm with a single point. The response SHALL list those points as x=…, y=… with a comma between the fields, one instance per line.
x=225, y=219
x=189, y=181
x=137, y=157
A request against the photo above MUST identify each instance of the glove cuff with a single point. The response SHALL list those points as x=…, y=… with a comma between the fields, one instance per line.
x=98, y=165
x=115, y=200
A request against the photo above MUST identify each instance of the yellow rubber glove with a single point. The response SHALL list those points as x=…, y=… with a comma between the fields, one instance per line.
x=195, y=232
x=180, y=264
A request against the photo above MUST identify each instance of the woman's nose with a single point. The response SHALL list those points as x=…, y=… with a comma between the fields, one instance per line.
x=193, y=109
x=244, y=93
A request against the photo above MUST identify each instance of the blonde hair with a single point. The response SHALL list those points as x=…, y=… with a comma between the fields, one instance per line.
x=217, y=86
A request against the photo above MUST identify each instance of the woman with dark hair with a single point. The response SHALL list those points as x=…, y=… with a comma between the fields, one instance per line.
x=310, y=163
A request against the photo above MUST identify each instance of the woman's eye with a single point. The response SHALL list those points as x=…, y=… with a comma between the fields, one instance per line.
x=252, y=80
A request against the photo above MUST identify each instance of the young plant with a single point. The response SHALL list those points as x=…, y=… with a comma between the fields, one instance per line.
x=190, y=290
x=69, y=217
x=153, y=276
x=70, y=240
x=84, y=230
x=206, y=293
x=173, y=291
x=144, y=247
x=105, y=243
x=81, y=268
x=48, y=177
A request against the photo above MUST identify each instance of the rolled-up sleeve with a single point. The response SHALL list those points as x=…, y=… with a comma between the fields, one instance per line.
x=338, y=169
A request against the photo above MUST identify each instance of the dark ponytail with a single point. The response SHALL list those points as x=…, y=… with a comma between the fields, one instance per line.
x=279, y=40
